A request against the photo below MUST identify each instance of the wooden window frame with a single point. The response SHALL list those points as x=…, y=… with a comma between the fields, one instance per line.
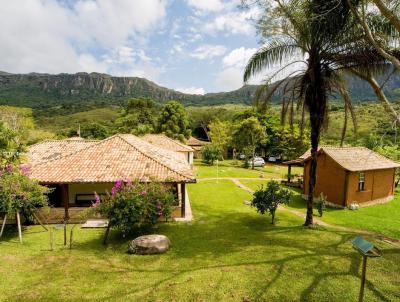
x=361, y=181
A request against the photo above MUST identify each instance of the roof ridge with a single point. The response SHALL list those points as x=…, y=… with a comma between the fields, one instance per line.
x=146, y=155
x=172, y=140
x=73, y=153
x=64, y=140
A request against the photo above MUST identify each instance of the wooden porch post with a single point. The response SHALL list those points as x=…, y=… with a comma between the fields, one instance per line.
x=183, y=203
x=65, y=199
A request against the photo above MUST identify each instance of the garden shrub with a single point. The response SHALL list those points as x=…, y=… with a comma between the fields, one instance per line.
x=321, y=205
x=135, y=207
x=211, y=153
x=19, y=193
x=267, y=199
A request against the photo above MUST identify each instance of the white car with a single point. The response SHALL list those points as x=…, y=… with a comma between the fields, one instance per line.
x=258, y=162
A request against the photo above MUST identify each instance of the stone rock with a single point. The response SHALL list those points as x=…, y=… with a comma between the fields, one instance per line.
x=149, y=244
x=354, y=206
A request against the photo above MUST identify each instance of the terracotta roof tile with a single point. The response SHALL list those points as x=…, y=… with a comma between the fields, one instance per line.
x=165, y=142
x=355, y=158
x=192, y=141
x=52, y=149
x=123, y=156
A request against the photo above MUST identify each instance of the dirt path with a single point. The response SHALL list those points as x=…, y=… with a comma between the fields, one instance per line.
x=317, y=221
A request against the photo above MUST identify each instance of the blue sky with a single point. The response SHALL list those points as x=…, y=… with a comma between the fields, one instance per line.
x=194, y=46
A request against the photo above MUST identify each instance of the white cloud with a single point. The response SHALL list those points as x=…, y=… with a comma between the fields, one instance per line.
x=208, y=51
x=192, y=90
x=111, y=23
x=233, y=22
x=231, y=76
x=238, y=57
x=206, y=5
x=46, y=36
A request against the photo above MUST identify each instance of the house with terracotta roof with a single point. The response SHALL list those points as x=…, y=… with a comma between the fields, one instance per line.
x=196, y=144
x=349, y=175
x=76, y=168
x=165, y=142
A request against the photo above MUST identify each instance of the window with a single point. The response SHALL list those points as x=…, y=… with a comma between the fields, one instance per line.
x=361, y=181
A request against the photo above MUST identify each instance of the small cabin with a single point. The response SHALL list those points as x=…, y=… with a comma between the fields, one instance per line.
x=347, y=175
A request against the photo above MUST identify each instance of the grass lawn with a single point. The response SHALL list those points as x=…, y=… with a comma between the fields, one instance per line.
x=383, y=219
x=228, y=253
x=232, y=168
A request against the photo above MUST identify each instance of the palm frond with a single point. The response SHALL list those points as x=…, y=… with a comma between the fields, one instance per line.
x=273, y=53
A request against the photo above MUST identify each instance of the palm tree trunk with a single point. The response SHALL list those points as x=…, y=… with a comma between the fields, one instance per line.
x=313, y=176
x=316, y=101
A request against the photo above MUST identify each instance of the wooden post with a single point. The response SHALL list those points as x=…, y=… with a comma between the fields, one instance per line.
x=65, y=200
x=65, y=232
x=3, y=225
x=106, y=234
x=289, y=173
x=19, y=227
x=364, y=269
x=183, y=205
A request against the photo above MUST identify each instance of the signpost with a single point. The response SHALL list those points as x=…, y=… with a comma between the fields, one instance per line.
x=366, y=249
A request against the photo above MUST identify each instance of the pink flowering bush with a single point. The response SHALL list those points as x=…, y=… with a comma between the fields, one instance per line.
x=19, y=193
x=135, y=206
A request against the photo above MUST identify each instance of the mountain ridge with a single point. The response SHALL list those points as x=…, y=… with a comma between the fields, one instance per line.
x=46, y=90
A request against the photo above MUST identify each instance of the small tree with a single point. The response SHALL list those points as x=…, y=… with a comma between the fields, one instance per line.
x=174, y=122
x=138, y=117
x=321, y=204
x=135, y=206
x=220, y=133
x=20, y=194
x=248, y=135
x=211, y=153
x=268, y=199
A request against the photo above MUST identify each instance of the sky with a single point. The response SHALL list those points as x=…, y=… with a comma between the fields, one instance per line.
x=193, y=46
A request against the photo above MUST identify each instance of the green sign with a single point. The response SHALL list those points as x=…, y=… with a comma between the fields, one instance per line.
x=362, y=245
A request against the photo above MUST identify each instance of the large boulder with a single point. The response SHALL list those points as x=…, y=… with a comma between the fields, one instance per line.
x=149, y=244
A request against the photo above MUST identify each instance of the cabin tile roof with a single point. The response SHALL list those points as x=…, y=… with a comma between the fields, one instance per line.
x=165, y=142
x=355, y=158
x=122, y=156
x=192, y=141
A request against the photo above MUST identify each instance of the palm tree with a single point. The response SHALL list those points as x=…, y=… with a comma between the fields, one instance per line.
x=324, y=35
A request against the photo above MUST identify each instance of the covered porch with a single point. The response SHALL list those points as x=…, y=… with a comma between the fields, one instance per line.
x=293, y=180
x=69, y=201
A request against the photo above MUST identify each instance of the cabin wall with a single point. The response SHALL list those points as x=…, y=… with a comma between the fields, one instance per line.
x=379, y=184
x=331, y=178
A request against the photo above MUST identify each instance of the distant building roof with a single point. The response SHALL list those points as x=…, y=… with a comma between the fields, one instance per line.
x=165, y=142
x=192, y=141
x=122, y=156
x=354, y=158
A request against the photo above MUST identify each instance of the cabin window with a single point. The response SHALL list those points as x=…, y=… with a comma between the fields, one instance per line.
x=361, y=181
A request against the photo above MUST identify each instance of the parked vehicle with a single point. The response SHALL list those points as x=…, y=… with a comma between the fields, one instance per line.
x=258, y=162
x=242, y=156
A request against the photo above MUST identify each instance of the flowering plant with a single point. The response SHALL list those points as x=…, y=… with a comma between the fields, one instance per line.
x=19, y=193
x=135, y=206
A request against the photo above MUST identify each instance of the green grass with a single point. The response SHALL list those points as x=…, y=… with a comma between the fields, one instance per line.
x=383, y=219
x=228, y=253
x=232, y=168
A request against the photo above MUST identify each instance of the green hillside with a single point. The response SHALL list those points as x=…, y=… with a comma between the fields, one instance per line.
x=87, y=90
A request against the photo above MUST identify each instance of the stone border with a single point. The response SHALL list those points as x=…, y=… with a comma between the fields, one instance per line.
x=360, y=204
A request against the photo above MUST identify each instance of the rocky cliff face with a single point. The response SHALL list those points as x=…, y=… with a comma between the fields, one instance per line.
x=37, y=90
